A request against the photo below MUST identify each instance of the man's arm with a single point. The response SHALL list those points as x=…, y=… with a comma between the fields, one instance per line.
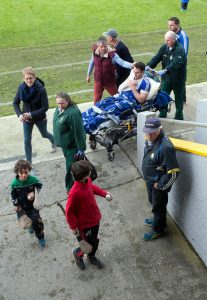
x=16, y=105
x=90, y=69
x=184, y=40
x=157, y=58
x=171, y=167
x=116, y=59
x=141, y=95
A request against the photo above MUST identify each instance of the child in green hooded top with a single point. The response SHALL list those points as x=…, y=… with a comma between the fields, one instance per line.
x=23, y=196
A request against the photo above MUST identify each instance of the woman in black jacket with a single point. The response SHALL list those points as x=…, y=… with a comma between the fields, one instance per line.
x=35, y=104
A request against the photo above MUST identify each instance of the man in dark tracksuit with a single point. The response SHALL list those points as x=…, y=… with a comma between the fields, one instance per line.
x=173, y=58
x=160, y=169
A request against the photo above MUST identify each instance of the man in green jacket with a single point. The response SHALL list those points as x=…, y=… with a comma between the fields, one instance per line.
x=69, y=133
x=173, y=58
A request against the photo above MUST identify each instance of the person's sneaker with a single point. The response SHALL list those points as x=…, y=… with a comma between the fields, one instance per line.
x=53, y=148
x=31, y=230
x=152, y=235
x=78, y=260
x=42, y=243
x=95, y=261
x=149, y=222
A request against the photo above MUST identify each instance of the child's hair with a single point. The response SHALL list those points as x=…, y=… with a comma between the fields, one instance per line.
x=22, y=165
x=81, y=169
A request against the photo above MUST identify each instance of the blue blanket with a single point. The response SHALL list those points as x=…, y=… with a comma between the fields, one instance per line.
x=114, y=106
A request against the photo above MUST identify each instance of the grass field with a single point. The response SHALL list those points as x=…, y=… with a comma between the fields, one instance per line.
x=55, y=37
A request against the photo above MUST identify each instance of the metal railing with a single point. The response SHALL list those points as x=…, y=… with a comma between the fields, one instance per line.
x=180, y=122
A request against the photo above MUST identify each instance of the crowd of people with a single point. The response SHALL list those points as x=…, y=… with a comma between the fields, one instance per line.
x=115, y=72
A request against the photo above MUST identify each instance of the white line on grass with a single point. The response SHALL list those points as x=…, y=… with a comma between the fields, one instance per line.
x=66, y=65
x=201, y=2
x=124, y=34
x=53, y=96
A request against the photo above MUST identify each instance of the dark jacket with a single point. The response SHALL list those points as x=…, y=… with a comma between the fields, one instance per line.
x=34, y=100
x=20, y=189
x=160, y=163
x=123, y=52
x=104, y=69
x=174, y=61
x=68, y=128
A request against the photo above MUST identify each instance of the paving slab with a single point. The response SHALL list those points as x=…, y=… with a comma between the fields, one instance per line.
x=166, y=268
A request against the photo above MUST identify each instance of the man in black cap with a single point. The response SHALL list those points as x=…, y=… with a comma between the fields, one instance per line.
x=123, y=52
x=160, y=170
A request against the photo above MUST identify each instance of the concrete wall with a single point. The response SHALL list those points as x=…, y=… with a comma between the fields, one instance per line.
x=201, y=113
x=188, y=197
x=188, y=201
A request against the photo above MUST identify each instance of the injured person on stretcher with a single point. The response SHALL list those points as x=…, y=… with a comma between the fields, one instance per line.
x=137, y=93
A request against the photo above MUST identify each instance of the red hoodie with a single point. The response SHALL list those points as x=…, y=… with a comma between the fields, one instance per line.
x=81, y=208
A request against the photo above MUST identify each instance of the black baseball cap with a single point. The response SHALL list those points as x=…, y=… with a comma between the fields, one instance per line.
x=111, y=32
x=151, y=125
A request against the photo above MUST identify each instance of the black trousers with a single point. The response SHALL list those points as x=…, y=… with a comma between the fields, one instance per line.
x=91, y=236
x=158, y=200
x=37, y=223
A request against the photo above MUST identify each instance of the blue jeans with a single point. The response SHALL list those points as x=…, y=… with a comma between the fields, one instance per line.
x=27, y=128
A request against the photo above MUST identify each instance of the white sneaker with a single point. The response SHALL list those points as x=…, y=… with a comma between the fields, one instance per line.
x=53, y=149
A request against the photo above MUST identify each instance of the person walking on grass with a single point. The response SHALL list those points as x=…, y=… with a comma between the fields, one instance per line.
x=173, y=59
x=160, y=170
x=82, y=212
x=103, y=61
x=24, y=189
x=33, y=95
x=184, y=5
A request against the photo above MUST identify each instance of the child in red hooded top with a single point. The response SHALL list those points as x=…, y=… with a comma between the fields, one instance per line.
x=82, y=212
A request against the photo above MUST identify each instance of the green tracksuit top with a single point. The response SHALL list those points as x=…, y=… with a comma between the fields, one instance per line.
x=68, y=128
x=174, y=61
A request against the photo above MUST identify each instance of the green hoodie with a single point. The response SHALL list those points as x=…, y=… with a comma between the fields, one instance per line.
x=68, y=128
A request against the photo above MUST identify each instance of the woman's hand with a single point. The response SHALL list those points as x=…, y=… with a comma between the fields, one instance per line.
x=27, y=116
x=21, y=118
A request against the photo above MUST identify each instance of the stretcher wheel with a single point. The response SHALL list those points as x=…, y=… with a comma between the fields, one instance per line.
x=93, y=144
x=111, y=156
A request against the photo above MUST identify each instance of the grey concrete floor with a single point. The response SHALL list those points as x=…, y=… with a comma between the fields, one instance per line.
x=166, y=268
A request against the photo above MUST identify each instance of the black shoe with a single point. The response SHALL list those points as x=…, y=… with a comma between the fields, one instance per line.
x=78, y=260
x=95, y=261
